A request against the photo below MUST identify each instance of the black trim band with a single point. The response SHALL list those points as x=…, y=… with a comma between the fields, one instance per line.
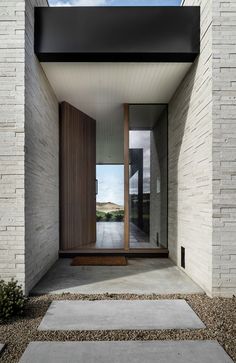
x=117, y=34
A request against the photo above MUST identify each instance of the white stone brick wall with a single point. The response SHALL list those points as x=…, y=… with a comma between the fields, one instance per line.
x=190, y=162
x=224, y=147
x=202, y=152
x=29, y=231
x=41, y=162
x=12, y=83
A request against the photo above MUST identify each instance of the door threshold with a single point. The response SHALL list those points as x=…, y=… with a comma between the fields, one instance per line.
x=145, y=252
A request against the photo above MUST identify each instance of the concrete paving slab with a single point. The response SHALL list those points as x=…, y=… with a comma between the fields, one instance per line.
x=120, y=314
x=131, y=351
x=140, y=276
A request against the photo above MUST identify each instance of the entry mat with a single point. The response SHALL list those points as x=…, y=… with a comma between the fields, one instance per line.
x=99, y=261
x=120, y=314
x=132, y=351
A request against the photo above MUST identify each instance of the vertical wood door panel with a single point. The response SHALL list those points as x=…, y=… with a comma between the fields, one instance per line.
x=77, y=178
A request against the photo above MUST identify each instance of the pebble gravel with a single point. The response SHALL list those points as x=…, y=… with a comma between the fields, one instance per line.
x=218, y=314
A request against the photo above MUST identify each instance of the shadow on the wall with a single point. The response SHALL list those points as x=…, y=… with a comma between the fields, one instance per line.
x=177, y=127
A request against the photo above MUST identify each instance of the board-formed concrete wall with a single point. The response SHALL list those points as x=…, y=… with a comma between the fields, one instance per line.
x=41, y=162
x=202, y=149
x=28, y=151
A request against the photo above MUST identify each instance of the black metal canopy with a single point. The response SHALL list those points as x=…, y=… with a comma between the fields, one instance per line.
x=117, y=34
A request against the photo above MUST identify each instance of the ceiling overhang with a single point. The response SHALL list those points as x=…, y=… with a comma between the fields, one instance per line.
x=99, y=89
x=117, y=34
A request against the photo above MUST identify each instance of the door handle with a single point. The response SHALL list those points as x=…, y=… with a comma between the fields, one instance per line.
x=96, y=187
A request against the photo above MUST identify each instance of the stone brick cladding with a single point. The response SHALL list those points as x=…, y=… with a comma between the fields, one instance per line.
x=29, y=142
x=224, y=147
x=12, y=140
x=41, y=162
x=190, y=162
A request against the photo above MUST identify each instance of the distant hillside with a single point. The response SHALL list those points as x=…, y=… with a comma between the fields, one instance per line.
x=108, y=207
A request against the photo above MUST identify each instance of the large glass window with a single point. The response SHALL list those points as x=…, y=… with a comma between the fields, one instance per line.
x=110, y=206
x=148, y=176
x=110, y=180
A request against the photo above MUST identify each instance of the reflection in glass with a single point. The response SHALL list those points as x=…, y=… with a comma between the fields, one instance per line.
x=148, y=176
x=110, y=179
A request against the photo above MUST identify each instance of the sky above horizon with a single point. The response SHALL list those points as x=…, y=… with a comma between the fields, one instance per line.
x=111, y=177
x=110, y=183
x=114, y=2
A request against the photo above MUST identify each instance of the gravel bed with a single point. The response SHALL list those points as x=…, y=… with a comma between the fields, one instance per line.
x=218, y=314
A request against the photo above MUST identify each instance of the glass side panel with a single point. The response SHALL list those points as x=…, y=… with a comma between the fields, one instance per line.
x=110, y=206
x=148, y=176
x=110, y=180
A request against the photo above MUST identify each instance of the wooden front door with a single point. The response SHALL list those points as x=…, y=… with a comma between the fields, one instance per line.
x=77, y=178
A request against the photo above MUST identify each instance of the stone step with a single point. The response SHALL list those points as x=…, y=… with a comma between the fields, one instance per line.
x=120, y=315
x=129, y=351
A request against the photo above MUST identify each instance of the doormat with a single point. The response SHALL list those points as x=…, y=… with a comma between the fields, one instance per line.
x=99, y=261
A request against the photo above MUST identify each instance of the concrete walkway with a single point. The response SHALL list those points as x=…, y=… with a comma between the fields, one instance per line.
x=140, y=276
x=131, y=351
x=120, y=315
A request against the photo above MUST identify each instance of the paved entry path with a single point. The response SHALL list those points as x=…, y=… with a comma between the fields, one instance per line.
x=120, y=315
x=123, y=314
x=121, y=352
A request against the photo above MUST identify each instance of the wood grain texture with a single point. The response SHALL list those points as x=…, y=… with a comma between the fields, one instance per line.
x=77, y=178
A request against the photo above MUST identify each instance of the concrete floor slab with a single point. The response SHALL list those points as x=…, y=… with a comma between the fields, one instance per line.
x=131, y=351
x=120, y=315
x=140, y=276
